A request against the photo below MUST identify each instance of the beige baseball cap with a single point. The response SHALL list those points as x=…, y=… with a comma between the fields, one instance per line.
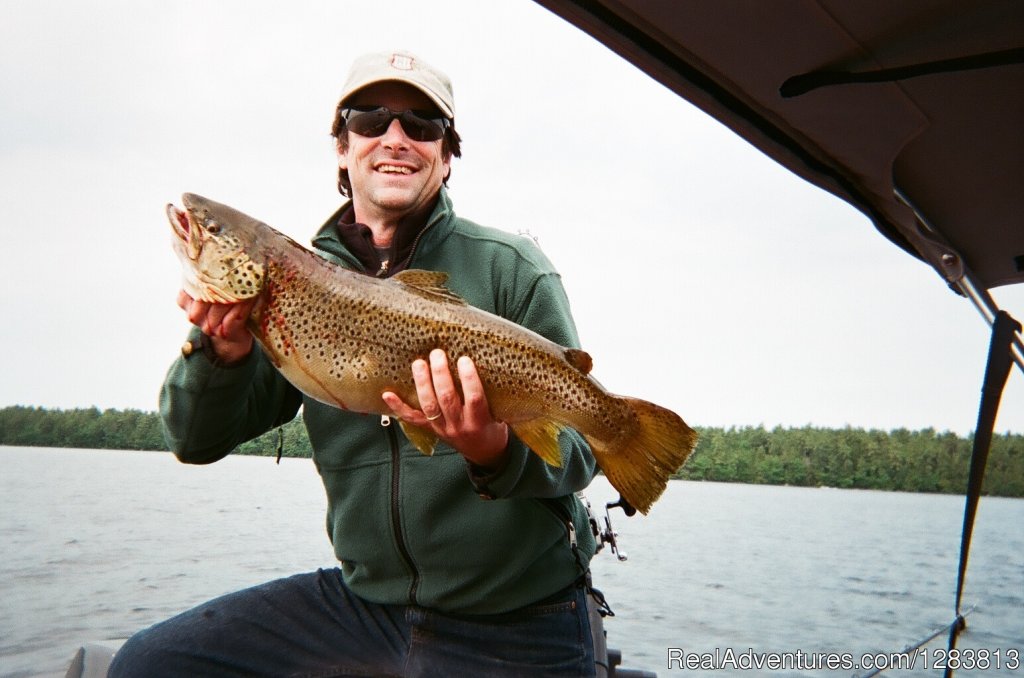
x=403, y=67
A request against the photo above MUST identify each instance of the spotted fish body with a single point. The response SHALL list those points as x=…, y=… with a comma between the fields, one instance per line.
x=345, y=338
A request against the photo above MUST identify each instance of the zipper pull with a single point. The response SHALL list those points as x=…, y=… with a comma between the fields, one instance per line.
x=385, y=420
x=383, y=269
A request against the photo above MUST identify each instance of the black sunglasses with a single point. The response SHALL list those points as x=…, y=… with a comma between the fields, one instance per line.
x=373, y=122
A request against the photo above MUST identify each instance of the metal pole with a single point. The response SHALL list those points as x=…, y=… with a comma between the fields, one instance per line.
x=988, y=308
x=966, y=282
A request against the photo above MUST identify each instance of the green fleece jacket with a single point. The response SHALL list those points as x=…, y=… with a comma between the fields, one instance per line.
x=411, y=529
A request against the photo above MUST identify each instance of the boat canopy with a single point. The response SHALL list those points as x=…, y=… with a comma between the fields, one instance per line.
x=912, y=112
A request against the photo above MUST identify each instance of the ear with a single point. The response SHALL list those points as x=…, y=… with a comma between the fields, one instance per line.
x=342, y=157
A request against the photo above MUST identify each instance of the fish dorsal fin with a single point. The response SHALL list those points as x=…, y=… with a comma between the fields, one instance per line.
x=581, y=360
x=430, y=284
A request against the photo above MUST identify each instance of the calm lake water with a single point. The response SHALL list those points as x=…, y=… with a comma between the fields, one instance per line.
x=98, y=543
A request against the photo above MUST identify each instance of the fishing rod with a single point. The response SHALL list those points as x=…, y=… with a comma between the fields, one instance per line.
x=911, y=649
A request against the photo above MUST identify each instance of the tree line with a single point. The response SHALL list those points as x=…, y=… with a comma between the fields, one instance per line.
x=911, y=461
x=92, y=428
x=914, y=461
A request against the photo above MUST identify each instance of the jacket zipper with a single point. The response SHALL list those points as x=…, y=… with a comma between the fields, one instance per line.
x=563, y=515
x=384, y=269
x=396, y=522
x=385, y=421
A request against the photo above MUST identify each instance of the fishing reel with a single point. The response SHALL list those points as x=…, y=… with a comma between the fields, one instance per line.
x=607, y=535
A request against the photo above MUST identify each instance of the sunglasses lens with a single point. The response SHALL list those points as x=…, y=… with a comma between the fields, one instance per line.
x=371, y=123
x=375, y=122
x=421, y=128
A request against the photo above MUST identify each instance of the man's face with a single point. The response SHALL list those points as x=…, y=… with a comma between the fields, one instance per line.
x=392, y=175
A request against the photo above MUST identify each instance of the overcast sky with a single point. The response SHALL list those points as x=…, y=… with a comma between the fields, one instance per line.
x=702, y=276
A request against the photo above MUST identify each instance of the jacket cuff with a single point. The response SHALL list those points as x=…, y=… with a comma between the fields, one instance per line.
x=499, y=483
x=199, y=342
x=202, y=366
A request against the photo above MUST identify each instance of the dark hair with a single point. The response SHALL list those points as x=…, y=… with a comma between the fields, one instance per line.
x=451, y=146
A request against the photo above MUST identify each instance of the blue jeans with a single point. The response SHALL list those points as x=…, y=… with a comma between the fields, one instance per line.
x=312, y=625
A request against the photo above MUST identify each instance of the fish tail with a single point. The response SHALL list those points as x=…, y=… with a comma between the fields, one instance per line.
x=639, y=464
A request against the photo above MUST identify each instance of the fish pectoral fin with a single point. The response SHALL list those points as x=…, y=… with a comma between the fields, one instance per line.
x=429, y=284
x=423, y=439
x=541, y=436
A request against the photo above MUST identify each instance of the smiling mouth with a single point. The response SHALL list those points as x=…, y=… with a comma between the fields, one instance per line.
x=394, y=169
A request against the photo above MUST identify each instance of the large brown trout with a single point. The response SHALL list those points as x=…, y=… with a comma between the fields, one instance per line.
x=345, y=338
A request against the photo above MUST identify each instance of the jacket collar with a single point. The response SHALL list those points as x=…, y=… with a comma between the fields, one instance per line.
x=352, y=243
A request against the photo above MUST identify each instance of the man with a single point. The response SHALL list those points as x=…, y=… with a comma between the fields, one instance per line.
x=467, y=563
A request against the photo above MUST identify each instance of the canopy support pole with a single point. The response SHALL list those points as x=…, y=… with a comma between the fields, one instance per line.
x=934, y=249
x=997, y=369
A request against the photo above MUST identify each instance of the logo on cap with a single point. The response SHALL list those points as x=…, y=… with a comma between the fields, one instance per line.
x=401, y=61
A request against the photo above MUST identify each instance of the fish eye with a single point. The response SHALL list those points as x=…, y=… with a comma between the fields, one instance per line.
x=213, y=227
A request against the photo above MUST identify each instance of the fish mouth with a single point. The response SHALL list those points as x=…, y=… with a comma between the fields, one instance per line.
x=184, y=230
x=179, y=221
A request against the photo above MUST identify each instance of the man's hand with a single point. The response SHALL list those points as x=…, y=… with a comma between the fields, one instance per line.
x=223, y=323
x=464, y=423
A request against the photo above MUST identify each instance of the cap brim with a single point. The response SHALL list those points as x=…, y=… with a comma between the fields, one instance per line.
x=445, y=109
